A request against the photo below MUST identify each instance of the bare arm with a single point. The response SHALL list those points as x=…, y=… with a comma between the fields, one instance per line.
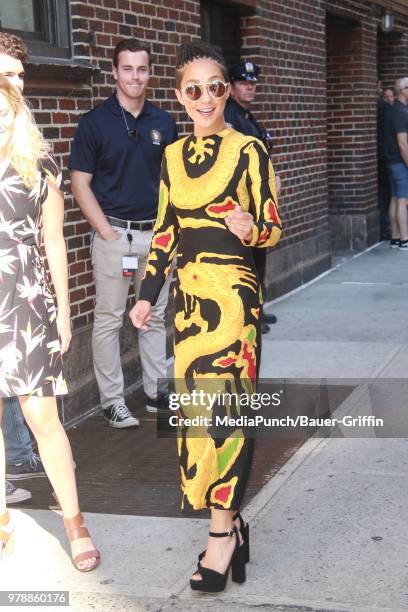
x=403, y=146
x=55, y=249
x=89, y=205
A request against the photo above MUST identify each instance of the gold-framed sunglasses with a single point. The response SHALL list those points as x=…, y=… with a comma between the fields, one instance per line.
x=216, y=89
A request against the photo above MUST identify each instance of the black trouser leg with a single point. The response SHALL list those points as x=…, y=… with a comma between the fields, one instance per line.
x=384, y=197
x=260, y=265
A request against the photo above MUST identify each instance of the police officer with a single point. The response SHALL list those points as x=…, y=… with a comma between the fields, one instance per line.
x=243, y=79
x=115, y=161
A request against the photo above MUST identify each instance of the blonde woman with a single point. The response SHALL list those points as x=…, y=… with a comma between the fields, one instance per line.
x=33, y=333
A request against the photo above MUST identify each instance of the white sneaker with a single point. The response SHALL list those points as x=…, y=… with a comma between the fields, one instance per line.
x=14, y=496
x=120, y=417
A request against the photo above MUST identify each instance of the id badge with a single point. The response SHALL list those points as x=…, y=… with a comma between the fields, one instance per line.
x=130, y=264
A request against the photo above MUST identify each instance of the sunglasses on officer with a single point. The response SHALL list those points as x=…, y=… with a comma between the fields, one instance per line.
x=216, y=89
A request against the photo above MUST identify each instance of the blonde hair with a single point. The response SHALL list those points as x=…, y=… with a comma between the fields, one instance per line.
x=26, y=147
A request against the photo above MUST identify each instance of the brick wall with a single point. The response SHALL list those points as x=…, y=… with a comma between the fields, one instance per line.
x=351, y=129
x=357, y=54
x=392, y=57
x=163, y=25
x=287, y=39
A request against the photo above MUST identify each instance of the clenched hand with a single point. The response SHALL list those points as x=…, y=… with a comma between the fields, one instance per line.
x=140, y=314
x=240, y=223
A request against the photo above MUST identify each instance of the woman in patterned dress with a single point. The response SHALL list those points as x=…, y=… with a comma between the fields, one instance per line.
x=33, y=333
x=217, y=199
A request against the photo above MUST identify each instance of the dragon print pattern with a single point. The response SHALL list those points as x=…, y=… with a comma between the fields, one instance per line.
x=217, y=296
x=30, y=355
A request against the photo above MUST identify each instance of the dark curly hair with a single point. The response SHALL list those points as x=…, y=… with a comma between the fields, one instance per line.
x=198, y=49
x=13, y=46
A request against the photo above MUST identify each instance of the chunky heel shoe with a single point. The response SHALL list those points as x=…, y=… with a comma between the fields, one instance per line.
x=244, y=530
x=238, y=573
x=76, y=531
x=6, y=534
x=214, y=582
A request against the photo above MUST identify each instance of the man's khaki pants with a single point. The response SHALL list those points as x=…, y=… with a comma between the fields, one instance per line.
x=112, y=290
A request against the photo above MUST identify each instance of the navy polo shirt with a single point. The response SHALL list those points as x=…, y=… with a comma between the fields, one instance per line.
x=126, y=174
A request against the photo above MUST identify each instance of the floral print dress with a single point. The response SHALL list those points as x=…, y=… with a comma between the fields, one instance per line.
x=30, y=355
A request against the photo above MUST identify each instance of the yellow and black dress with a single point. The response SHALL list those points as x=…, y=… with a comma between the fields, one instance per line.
x=217, y=296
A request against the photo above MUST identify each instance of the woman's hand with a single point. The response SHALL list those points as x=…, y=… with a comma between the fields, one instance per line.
x=240, y=223
x=140, y=314
x=64, y=330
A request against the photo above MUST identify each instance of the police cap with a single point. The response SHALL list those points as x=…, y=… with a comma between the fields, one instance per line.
x=244, y=71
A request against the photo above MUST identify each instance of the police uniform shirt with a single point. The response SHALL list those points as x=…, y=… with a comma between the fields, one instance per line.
x=125, y=172
x=241, y=119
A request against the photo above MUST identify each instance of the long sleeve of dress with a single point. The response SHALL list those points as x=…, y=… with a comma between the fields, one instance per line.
x=261, y=188
x=164, y=242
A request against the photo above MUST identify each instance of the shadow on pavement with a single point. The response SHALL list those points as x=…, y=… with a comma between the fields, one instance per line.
x=134, y=472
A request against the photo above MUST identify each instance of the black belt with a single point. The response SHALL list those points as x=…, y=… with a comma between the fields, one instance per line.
x=142, y=226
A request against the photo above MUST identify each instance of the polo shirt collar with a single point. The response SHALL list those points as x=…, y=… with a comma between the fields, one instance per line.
x=115, y=109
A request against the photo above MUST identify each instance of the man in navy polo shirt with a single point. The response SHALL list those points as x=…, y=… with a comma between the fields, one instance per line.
x=115, y=161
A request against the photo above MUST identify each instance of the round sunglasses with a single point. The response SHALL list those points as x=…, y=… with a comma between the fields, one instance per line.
x=216, y=89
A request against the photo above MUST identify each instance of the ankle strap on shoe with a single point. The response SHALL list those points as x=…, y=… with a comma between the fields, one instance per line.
x=74, y=522
x=224, y=534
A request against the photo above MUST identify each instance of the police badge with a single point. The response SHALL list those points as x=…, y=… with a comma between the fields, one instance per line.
x=156, y=137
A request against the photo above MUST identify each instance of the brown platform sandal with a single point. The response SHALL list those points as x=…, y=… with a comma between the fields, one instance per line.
x=76, y=531
x=6, y=534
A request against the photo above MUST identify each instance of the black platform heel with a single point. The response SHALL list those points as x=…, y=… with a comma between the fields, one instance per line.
x=244, y=531
x=214, y=582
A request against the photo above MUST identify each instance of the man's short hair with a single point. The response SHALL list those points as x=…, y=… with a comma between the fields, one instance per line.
x=13, y=46
x=129, y=44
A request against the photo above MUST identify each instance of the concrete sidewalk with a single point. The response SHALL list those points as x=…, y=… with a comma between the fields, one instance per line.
x=328, y=531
